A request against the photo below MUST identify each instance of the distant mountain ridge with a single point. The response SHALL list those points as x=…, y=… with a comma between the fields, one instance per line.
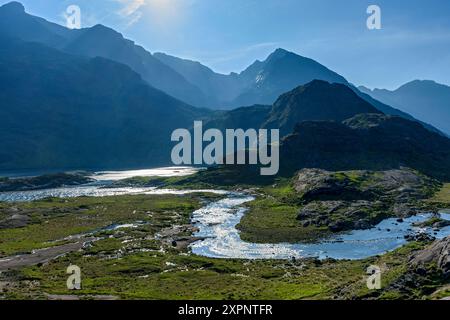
x=66, y=111
x=261, y=83
x=281, y=72
x=98, y=41
x=219, y=89
x=264, y=81
x=424, y=99
x=83, y=99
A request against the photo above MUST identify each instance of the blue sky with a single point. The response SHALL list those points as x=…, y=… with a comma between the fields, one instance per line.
x=228, y=35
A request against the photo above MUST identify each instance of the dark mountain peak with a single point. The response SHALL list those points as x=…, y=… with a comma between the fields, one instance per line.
x=13, y=7
x=416, y=82
x=281, y=54
x=16, y=23
x=321, y=88
x=98, y=40
x=316, y=100
x=422, y=85
x=281, y=72
x=102, y=31
x=320, y=84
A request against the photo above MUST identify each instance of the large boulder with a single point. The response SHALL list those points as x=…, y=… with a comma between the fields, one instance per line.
x=437, y=254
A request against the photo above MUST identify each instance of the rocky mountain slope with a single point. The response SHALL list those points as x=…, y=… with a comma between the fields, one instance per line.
x=367, y=141
x=64, y=111
x=425, y=100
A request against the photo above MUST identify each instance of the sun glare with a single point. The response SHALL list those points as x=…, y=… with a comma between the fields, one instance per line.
x=165, y=13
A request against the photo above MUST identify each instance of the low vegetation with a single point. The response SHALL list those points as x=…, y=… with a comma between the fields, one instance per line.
x=443, y=196
x=136, y=246
x=140, y=263
x=317, y=203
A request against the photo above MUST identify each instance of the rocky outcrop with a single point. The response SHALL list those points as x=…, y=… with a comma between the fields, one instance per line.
x=427, y=270
x=359, y=199
x=436, y=255
x=359, y=184
x=43, y=182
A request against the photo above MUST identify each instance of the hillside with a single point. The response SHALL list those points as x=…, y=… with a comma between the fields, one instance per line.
x=64, y=111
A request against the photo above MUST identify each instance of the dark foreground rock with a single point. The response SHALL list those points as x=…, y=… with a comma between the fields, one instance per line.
x=437, y=256
x=428, y=271
x=420, y=237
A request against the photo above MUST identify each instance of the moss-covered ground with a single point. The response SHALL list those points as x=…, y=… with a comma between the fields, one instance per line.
x=136, y=263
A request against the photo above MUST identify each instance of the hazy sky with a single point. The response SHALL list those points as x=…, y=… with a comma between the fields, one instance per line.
x=228, y=35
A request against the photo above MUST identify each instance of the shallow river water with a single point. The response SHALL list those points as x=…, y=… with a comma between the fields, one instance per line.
x=217, y=223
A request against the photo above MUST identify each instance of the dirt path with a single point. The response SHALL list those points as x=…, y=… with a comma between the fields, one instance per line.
x=41, y=256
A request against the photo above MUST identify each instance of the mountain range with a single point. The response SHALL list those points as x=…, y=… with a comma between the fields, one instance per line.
x=328, y=126
x=65, y=111
x=90, y=98
x=190, y=81
x=261, y=83
x=315, y=101
x=423, y=99
x=97, y=41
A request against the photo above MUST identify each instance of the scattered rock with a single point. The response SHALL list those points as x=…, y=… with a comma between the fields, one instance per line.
x=419, y=237
x=15, y=221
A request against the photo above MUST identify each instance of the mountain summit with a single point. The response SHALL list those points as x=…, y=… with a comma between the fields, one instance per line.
x=13, y=7
x=279, y=73
x=315, y=101
x=318, y=101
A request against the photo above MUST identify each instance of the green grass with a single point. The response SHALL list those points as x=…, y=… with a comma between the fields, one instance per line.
x=354, y=177
x=443, y=196
x=271, y=221
x=272, y=217
x=173, y=276
x=129, y=263
x=54, y=219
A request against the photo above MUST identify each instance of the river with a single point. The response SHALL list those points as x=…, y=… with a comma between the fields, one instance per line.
x=217, y=222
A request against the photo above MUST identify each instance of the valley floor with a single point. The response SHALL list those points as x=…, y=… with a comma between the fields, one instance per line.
x=135, y=247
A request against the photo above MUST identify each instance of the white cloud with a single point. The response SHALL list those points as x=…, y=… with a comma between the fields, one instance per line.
x=131, y=10
x=164, y=14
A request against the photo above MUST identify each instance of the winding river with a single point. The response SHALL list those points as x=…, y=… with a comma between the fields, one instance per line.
x=217, y=222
